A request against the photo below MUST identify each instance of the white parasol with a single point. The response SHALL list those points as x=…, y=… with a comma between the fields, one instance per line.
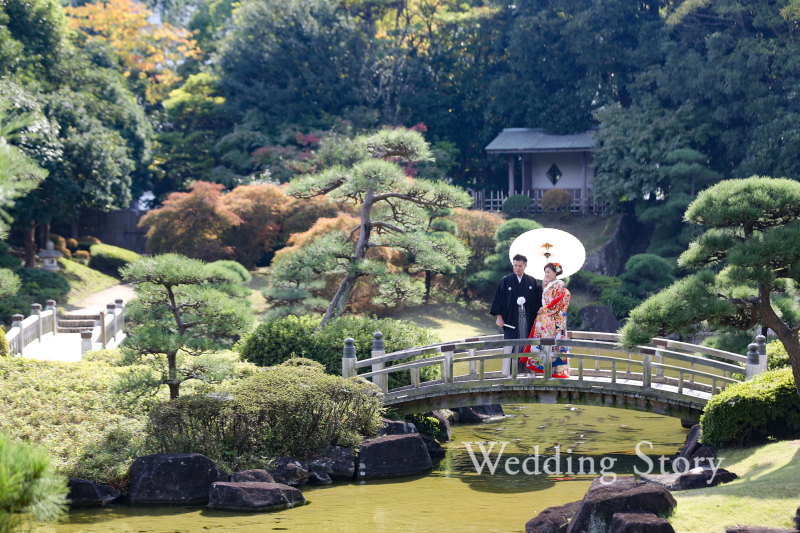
x=549, y=245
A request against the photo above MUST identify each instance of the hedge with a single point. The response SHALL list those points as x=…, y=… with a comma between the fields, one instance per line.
x=279, y=339
x=236, y=268
x=768, y=406
x=109, y=259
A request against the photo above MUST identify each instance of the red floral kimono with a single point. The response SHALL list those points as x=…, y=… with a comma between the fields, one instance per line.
x=551, y=322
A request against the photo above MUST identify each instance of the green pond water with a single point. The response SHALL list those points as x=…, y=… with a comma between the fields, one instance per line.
x=454, y=497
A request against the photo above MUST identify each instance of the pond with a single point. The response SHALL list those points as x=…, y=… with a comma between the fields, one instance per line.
x=454, y=497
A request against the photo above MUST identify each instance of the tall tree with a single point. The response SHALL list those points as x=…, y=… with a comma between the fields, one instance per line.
x=392, y=215
x=748, y=265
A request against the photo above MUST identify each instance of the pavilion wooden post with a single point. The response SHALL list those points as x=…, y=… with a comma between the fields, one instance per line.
x=511, y=174
x=585, y=191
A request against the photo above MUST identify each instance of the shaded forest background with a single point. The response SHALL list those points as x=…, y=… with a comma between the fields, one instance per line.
x=127, y=98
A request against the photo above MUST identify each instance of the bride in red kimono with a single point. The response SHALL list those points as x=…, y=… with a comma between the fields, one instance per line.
x=551, y=322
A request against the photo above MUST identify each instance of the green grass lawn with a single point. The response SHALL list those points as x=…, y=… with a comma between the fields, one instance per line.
x=83, y=280
x=767, y=492
x=449, y=321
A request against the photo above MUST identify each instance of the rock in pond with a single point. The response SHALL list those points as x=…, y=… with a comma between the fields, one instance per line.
x=553, y=519
x=690, y=446
x=639, y=522
x=173, y=478
x=289, y=471
x=84, y=493
x=599, y=318
x=253, y=497
x=435, y=449
x=255, y=476
x=319, y=478
x=478, y=413
x=396, y=427
x=338, y=462
x=624, y=494
x=705, y=478
x=393, y=456
x=445, y=433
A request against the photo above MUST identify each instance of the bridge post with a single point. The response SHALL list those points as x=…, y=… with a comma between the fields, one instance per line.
x=349, y=358
x=761, y=341
x=379, y=350
x=50, y=305
x=647, y=359
x=36, y=309
x=548, y=362
x=753, y=366
x=447, y=366
x=506, y=362
x=86, y=341
x=16, y=322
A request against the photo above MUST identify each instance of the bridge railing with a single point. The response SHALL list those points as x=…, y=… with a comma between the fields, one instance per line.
x=685, y=368
x=24, y=331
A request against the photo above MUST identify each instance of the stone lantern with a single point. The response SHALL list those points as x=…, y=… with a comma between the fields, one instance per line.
x=50, y=258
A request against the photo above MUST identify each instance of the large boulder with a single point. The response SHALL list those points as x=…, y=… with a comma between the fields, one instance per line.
x=478, y=413
x=639, y=522
x=445, y=433
x=336, y=461
x=599, y=318
x=319, y=478
x=553, y=519
x=83, y=493
x=179, y=478
x=435, y=449
x=253, y=497
x=668, y=481
x=701, y=455
x=624, y=494
x=690, y=446
x=396, y=427
x=252, y=476
x=704, y=478
x=393, y=456
x=289, y=471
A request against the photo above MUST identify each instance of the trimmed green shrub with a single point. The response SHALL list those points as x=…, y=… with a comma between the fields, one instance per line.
x=82, y=257
x=36, y=286
x=750, y=412
x=89, y=239
x=645, y=275
x=237, y=268
x=109, y=259
x=776, y=355
x=293, y=409
x=515, y=204
x=5, y=349
x=277, y=340
x=28, y=484
x=72, y=244
x=556, y=200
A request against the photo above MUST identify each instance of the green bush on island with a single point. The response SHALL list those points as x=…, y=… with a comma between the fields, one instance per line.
x=279, y=339
x=109, y=259
x=35, y=286
x=237, y=268
x=768, y=406
x=777, y=357
x=28, y=484
x=293, y=409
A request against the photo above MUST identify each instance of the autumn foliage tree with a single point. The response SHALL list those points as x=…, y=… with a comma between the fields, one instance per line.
x=192, y=223
x=148, y=52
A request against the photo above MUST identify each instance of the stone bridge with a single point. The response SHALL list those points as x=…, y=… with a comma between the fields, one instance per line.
x=666, y=377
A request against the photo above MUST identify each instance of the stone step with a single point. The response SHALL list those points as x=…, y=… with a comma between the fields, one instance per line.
x=76, y=323
x=76, y=317
x=72, y=330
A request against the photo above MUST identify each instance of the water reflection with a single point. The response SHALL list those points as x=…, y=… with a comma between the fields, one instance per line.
x=453, y=497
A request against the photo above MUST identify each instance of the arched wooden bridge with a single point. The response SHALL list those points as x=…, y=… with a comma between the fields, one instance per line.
x=667, y=377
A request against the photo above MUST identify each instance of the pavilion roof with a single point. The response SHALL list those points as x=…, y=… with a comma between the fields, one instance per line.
x=515, y=140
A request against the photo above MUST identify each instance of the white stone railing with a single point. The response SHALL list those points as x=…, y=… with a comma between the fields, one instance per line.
x=109, y=326
x=26, y=330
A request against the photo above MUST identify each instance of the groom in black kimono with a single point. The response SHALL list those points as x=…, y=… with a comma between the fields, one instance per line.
x=516, y=302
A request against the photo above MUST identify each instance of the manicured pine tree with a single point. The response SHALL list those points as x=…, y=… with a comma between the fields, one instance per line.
x=748, y=263
x=393, y=214
x=182, y=307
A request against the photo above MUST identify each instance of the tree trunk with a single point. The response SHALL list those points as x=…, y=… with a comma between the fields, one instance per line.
x=174, y=389
x=45, y=235
x=362, y=245
x=429, y=275
x=73, y=228
x=786, y=335
x=29, y=240
x=172, y=381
